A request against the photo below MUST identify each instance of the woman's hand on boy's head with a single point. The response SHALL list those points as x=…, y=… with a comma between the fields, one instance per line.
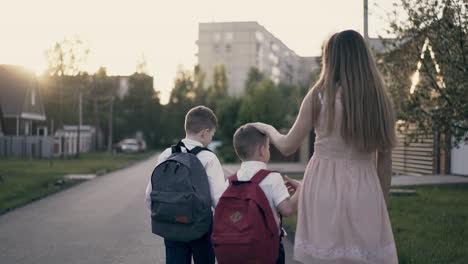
x=262, y=127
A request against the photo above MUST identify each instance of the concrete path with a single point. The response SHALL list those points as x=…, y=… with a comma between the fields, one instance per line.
x=103, y=221
x=99, y=221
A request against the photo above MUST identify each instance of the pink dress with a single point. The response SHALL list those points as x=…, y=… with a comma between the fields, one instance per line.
x=342, y=216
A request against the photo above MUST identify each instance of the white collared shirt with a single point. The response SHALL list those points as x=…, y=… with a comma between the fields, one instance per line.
x=210, y=162
x=273, y=185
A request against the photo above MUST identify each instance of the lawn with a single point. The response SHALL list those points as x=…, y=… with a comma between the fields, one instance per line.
x=25, y=180
x=431, y=227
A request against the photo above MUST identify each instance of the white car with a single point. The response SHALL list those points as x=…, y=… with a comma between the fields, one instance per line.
x=129, y=145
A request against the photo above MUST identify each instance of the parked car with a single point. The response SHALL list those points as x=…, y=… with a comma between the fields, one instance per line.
x=130, y=145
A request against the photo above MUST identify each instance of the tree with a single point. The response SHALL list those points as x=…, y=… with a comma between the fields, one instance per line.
x=431, y=48
x=142, y=65
x=64, y=77
x=2, y=122
x=181, y=100
x=228, y=122
x=140, y=110
x=253, y=78
x=67, y=57
x=103, y=89
x=264, y=104
x=201, y=93
x=218, y=89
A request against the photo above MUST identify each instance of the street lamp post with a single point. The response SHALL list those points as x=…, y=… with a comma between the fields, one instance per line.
x=366, y=18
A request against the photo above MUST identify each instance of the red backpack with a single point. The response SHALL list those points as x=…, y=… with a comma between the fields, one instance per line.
x=245, y=230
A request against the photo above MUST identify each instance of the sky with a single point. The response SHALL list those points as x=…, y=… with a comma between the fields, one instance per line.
x=119, y=33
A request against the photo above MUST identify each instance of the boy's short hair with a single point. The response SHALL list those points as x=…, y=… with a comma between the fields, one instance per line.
x=246, y=140
x=199, y=118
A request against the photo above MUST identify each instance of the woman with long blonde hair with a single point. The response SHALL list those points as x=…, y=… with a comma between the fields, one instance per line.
x=342, y=213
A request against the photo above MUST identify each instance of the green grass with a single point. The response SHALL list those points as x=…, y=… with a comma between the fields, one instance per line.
x=295, y=176
x=25, y=180
x=431, y=227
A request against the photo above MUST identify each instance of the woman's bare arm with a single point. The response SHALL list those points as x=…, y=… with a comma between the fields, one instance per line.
x=384, y=171
x=289, y=143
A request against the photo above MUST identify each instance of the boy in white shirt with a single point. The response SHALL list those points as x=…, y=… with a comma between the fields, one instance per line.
x=200, y=126
x=253, y=148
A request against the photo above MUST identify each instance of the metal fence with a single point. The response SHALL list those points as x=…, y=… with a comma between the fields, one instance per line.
x=26, y=147
x=42, y=147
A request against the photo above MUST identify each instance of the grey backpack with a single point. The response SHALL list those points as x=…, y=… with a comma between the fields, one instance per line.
x=180, y=198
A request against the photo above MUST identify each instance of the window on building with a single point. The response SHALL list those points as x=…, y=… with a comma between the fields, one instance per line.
x=228, y=48
x=275, y=47
x=228, y=36
x=275, y=71
x=217, y=37
x=273, y=58
x=259, y=36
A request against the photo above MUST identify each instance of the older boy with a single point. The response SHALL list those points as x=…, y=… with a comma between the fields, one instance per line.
x=200, y=126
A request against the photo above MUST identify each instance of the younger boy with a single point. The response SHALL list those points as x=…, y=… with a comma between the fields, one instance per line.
x=253, y=148
x=200, y=126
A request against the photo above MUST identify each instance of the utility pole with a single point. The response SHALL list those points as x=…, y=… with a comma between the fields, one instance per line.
x=366, y=20
x=97, y=135
x=80, y=120
x=111, y=108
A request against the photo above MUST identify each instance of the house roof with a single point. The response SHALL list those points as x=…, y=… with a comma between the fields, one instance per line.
x=19, y=93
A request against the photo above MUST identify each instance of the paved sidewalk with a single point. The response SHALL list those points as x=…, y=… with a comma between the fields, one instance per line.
x=400, y=180
x=427, y=180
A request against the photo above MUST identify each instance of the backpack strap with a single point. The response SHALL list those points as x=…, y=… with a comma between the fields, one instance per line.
x=257, y=178
x=198, y=149
x=233, y=178
x=178, y=148
x=261, y=174
x=271, y=223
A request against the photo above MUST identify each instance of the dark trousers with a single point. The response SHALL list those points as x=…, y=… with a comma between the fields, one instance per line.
x=281, y=256
x=182, y=252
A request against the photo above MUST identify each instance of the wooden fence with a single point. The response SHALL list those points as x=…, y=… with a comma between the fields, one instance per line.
x=414, y=156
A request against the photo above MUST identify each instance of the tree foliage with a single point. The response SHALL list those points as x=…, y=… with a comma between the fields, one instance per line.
x=435, y=38
x=67, y=57
x=139, y=111
x=218, y=89
x=265, y=104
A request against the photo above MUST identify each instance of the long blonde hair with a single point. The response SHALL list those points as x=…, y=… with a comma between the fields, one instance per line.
x=368, y=117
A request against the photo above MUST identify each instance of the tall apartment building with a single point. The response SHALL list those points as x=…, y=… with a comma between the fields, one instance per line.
x=240, y=46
